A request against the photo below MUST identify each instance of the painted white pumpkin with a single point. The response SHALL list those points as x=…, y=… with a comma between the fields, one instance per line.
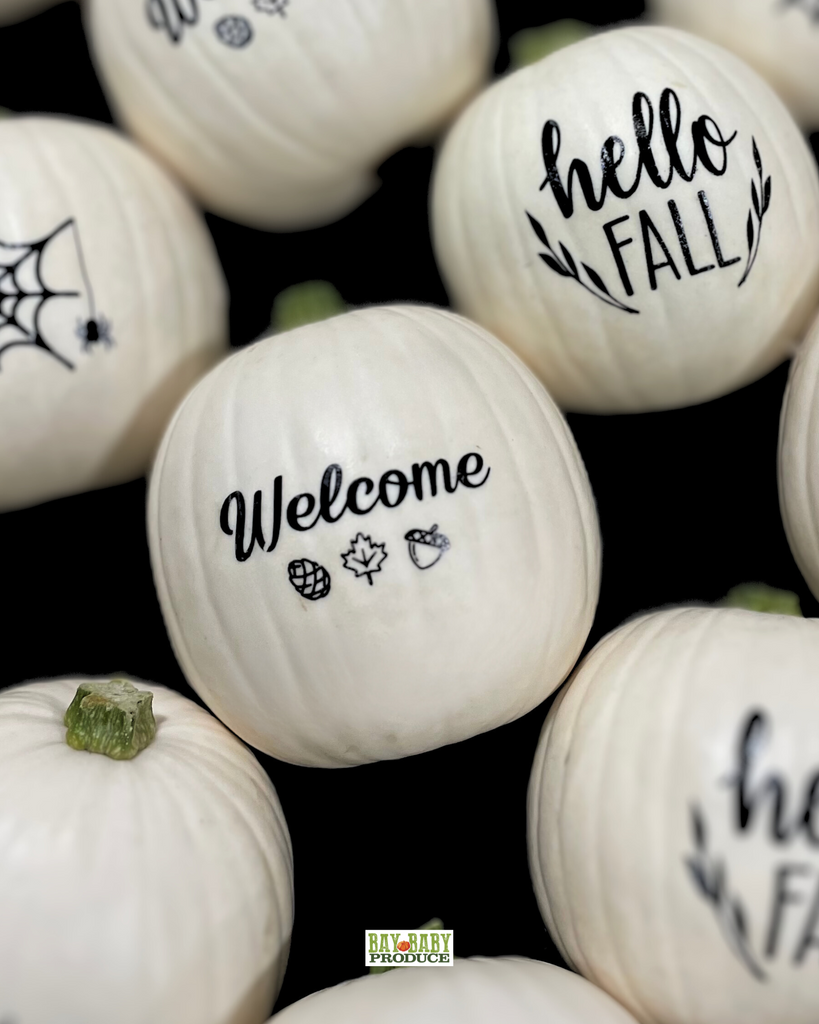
x=674, y=818
x=16, y=10
x=779, y=38
x=372, y=536
x=798, y=482
x=154, y=889
x=637, y=215
x=478, y=990
x=112, y=303
x=275, y=113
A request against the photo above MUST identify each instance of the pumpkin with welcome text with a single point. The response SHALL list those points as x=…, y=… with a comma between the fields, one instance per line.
x=479, y=990
x=276, y=113
x=112, y=303
x=674, y=817
x=145, y=864
x=372, y=536
x=780, y=38
x=637, y=215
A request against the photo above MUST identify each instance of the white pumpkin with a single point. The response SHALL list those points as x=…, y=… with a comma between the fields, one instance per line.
x=779, y=38
x=275, y=113
x=637, y=215
x=798, y=483
x=674, y=818
x=16, y=10
x=474, y=991
x=372, y=536
x=154, y=889
x=112, y=303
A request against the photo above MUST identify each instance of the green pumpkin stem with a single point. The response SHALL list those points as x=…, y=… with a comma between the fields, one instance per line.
x=306, y=303
x=757, y=597
x=112, y=718
x=533, y=44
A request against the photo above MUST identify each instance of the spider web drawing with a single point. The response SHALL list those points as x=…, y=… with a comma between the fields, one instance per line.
x=21, y=304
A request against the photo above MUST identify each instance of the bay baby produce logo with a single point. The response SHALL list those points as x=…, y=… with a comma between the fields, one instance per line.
x=420, y=948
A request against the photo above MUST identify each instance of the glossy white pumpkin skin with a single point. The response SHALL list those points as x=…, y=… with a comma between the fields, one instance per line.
x=480, y=990
x=286, y=131
x=779, y=39
x=692, y=338
x=798, y=483
x=85, y=415
x=407, y=658
x=16, y=10
x=157, y=889
x=648, y=731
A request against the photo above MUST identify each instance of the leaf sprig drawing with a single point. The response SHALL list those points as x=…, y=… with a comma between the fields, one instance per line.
x=710, y=877
x=567, y=267
x=761, y=200
x=364, y=557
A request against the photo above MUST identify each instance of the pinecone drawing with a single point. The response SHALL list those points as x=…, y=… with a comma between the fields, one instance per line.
x=310, y=579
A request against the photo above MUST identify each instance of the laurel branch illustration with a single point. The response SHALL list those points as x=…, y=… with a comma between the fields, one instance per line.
x=761, y=200
x=710, y=876
x=567, y=267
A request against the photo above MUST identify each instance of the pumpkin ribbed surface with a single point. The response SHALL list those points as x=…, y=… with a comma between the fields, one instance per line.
x=278, y=516
x=158, y=889
x=666, y=868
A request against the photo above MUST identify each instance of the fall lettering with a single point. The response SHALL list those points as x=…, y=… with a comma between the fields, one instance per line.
x=303, y=511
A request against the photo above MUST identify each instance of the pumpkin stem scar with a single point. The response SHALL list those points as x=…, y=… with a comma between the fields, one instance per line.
x=533, y=44
x=758, y=597
x=112, y=718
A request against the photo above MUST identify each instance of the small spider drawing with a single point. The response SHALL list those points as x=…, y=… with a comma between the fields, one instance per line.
x=94, y=332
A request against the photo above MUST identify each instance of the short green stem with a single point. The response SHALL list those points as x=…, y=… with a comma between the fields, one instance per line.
x=758, y=597
x=112, y=718
x=533, y=44
x=306, y=303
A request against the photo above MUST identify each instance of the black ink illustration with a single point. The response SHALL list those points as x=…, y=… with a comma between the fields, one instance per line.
x=426, y=546
x=423, y=480
x=810, y=7
x=234, y=31
x=710, y=876
x=309, y=578
x=24, y=293
x=568, y=268
x=172, y=16
x=271, y=6
x=365, y=557
x=761, y=200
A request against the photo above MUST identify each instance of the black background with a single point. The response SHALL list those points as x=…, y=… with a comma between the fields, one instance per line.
x=688, y=508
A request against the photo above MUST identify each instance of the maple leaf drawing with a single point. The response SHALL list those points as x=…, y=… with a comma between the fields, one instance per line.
x=364, y=557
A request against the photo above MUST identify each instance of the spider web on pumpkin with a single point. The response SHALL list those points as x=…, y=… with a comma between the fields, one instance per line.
x=14, y=292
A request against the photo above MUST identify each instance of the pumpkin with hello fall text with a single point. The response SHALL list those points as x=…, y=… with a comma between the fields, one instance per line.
x=637, y=215
x=372, y=536
x=112, y=303
x=780, y=38
x=276, y=113
x=145, y=864
x=674, y=817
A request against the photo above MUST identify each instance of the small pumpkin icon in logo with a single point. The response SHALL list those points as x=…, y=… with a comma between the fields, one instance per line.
x=403, y=946
x=309, y=578
x=426, y=546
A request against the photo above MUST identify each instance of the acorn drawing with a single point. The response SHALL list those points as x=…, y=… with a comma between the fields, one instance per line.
x=426, y=546
x=310, y=579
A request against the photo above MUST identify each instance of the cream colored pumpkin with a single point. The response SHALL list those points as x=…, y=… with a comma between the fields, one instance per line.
x=276, y=113
x=16, y=10
x=798, y=484
x=780, y=38
x=157, y=889
x=474, y=991
x=649, y=288
x=112, y=303
x=664, y=868
x=372, y=536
